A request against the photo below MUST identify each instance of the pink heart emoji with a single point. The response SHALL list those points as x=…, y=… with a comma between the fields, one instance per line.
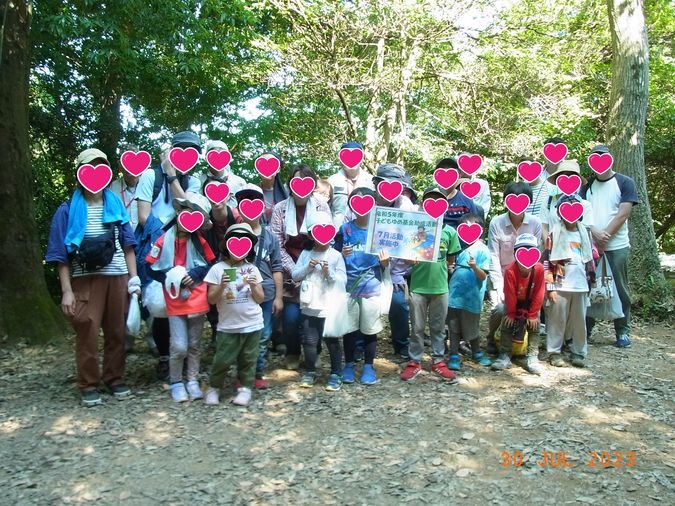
x=323, y=234
x=303, y=186
x=218, y=158
x=361, y=204
x=470, y=188
x=568, y=184
x=517, y=204
x=267, y=165
x=217, y=192
x=470, y=163
x=435, y=207
x=530, y=171
x=446, y=178
x=191, y=220
x=390, y=190
x=469, y=232
x=600, y=162
x=135, y=163
x=239, y=247
x=555, y=153
x=528, y=257
x=184, y=159
x=571, y=211
x=251, y=209
x=351, y=157
x=94, y=179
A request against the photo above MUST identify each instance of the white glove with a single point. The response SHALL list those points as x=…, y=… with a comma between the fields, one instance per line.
x=134, y=285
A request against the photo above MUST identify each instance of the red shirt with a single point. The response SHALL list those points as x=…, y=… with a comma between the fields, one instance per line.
x=515, y=289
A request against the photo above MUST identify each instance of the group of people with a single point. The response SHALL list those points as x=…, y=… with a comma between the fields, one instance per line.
x=268, y=275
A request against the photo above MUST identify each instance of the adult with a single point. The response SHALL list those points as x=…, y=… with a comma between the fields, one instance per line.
x=344, y=181
x=502, y=234
x=157, y=187
x=483, y=200
x=613, y=196
x=399, y=311
x=125, y=187
x=274, y=189
x=289, y=223
x=458, y=203
x=539, y=189
x=234, y=182
x=92, y=244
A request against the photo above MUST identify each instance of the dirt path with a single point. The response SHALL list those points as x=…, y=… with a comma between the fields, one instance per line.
x=425, y=442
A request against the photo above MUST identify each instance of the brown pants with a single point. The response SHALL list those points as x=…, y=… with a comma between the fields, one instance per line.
x=100, y=302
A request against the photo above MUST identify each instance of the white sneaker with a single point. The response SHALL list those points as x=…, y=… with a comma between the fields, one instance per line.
x=211, y=397
x=193, y=390
x=243, y=397
x=178, y=392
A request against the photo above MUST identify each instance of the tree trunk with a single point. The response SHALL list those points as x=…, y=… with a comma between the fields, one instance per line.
x=108, y=126
x=625, y=135
x=26, y=309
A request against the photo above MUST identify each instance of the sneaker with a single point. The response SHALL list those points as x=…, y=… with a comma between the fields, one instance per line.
x=440, y=369
x=243, y=397
x=411, y=371
x=193, y=390
x=211, y=397
x=292, y=362
x=178, y=392
x=623, y=341
x=464, y=349
x=119, y=391
x=163, y=369
x=334, y=383
x=90, y=398
x=542, y=329
x=482, y=359
x=533, y=366
x=403, y=353
x=261, y=384
x=368, y=376
x=578, y=360
x=348, y=373
x=556, y=360
x=502, y=362
x=454, y=363
x=308, y=379
x=491, y=348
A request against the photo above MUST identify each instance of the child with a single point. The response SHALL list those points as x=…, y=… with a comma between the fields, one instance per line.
x=188, y=305
x=268, y=262
x=319, y=266
x=235, y=287
x=569, y=274
x=466, y=289
x=364, y=277
x=523, y=298
x=429, y=301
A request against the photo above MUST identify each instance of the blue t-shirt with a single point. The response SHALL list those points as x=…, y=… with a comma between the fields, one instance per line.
x=359, y=265
x=458, y=206
x=465, y=290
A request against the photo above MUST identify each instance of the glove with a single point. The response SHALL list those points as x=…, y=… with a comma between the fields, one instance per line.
x=134, y=285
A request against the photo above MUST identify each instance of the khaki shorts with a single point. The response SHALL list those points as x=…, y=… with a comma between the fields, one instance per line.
x=364, y=314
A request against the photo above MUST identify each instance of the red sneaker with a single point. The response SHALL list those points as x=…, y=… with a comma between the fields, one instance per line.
x=261, y=384
x=441, y=369
x=411, y=371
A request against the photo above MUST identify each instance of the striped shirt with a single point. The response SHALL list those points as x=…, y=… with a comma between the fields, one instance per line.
x=118, y=266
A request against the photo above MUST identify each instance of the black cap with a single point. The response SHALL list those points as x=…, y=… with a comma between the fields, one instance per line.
x=600, y=148
x=186, y=140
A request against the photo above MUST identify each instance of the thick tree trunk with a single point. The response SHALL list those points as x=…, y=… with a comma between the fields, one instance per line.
x=26, y=309
x=626, y=131
x=109, y=128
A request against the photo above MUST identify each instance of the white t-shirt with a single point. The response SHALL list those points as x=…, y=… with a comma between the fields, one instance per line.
x=237, y=311
x=606, y=197
x=575, y=269
x=162, y=210
x=549, y=214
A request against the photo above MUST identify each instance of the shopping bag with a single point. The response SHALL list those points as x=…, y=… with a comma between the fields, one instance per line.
x=386, y=291
x=153, y=299
x=337, y=323
x=604, y=284
x=134, y=316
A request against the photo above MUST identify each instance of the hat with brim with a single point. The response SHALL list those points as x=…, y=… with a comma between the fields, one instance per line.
x=193, y=202
x=186, y=140
x=567, y=167
x=240, y=230
x=390, y=172
x=250, y=191
x=219, y=145
x=89, y=155
x=434, y=192
x=600, y=148
x=526, y=241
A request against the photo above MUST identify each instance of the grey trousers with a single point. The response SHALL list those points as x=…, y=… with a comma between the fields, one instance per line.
x=433, y=308
x=618, y=262
x=186, y=341
x=565, y=320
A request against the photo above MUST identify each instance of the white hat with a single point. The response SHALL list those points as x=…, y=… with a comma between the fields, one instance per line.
x=526, y=241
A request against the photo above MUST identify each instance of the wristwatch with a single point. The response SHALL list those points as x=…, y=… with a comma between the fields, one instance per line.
x=171, y=179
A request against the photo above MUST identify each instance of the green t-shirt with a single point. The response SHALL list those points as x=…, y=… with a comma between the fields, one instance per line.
x=431, y=278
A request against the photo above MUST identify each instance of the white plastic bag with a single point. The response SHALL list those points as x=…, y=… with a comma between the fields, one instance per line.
x=336, y=323
x=153, y=299
x=134, y=316
x=610, y=309
x=386, y=291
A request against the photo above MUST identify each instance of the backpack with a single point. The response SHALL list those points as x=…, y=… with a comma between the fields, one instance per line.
x=160, y=178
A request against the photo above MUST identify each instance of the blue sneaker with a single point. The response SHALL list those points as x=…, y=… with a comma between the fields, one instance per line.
x=334, y=383
x=482, y=359
x=348, y=373
x=623, y=341
x=454, y=363
x=368, y=375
